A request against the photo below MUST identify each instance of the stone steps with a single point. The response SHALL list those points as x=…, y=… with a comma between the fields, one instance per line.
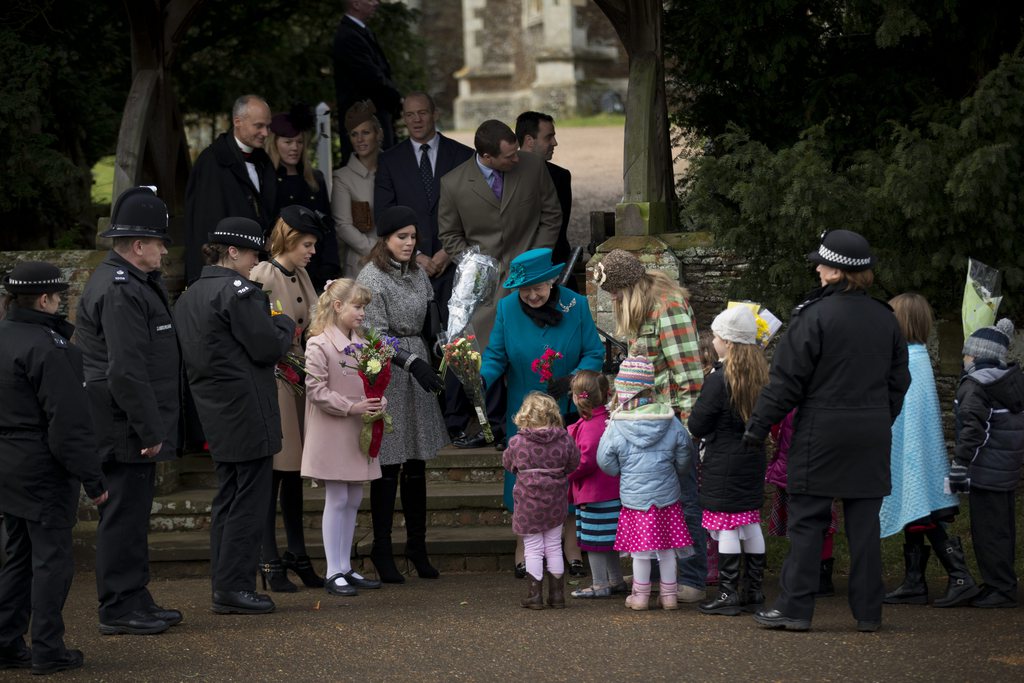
x=468, y=527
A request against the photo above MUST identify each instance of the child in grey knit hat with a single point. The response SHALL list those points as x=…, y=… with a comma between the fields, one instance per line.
x=989, y=410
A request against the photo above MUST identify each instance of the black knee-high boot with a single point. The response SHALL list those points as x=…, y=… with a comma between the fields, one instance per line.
x=914, y=589
x=272, y=570
x=382, y=510
x=961, y=586
x=414, y=506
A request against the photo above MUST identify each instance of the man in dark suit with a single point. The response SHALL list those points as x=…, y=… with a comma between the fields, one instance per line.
x=362, y=72
x=536, y=133
x=231, y=177
x=408, y=175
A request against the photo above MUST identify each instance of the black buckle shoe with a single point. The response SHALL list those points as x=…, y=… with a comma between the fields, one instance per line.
x=135, y=623
x=72, y=659
x=241, y=602
x=359, y=581
x=344, y=588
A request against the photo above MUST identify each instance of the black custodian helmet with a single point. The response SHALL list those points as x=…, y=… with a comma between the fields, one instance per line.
x=138, y=212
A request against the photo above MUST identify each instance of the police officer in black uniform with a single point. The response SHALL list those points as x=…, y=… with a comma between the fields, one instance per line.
x=47, y=451
x=843, y=365
x=231, y=343
x=134, y=377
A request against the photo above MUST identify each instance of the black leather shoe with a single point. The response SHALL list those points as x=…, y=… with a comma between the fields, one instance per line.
x=520, y=570
x=868, y=626
x=773, y=618
x=172, y=616
x=500, y=444
x=17, y=655
x=137, y=623
x=456, y=434
x=993, y=599
x=241, y=602
x=358, y=581
x=72, y=659
x=343, y=588
x=478, y=440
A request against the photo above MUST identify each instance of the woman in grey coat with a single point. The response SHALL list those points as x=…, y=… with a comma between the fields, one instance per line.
x=401, y=292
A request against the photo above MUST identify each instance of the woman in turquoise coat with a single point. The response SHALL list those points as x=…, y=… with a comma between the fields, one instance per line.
x=538, y=316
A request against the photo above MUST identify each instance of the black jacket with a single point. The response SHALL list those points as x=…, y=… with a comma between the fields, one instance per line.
x=731, y=473
x=989, y=409
x=562, y=178
x=230, y=344
x=843, y=362
x=46, y=439
x=362, y=71
x=133, y=369
x=292, y=189
x=219, y=186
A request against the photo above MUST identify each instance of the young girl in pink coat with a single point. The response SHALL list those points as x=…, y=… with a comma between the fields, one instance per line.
x=541, y=456
x=335, y=403
x=594, y=493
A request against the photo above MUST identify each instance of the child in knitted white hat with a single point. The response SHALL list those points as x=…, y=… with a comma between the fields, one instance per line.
x=647, y=448
x=732, y=473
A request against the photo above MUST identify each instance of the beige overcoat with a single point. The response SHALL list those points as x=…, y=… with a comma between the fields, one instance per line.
x=527, y=217
x=294, y=291
x=331, y=451
x=352, y=183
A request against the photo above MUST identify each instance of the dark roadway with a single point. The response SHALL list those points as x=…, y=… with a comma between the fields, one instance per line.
x=470, y=627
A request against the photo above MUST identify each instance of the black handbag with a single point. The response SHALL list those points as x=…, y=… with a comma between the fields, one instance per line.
x=432, y=331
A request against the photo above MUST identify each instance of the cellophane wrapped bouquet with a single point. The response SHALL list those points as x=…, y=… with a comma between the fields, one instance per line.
x=476, y=281
x=373, y=361
x=462, y=356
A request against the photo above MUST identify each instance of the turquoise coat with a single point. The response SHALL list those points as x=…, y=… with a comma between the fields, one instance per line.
x=517, y=340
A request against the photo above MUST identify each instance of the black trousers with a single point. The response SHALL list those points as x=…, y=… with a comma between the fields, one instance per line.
x=34, y=582
x=458, y=408
x=122, y=539
x=809, y=517
x=994, y=533
x=238, y=516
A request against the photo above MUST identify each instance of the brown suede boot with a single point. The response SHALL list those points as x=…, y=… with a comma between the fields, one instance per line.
x=535, y=597
x=556, y=591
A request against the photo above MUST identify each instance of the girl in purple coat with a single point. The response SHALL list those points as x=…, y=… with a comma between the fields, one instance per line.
x=594, y=493
x=541, y=456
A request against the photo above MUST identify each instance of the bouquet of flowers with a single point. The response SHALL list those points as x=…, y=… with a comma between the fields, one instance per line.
x=543, y=365
x=767, y=324
x=462, y=356
x=292, y=371
x=476, y=280
x=373, y=360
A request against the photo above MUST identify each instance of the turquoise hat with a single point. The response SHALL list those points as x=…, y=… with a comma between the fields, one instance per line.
x=531, y=267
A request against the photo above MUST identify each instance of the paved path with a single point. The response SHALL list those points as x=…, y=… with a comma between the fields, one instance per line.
x=470, y=628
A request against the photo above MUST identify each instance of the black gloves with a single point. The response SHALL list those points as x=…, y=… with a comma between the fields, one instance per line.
x=559, y=386
x=752, y=440
x=420, y=370
x=958, y=481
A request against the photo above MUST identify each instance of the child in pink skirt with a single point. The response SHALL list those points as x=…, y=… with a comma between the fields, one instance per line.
x=732, y=484
x=541, y=456
x=647, y=448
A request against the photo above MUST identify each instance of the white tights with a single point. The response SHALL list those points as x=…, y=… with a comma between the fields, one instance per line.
x=339, y=524
x=546, y=545
x=666, y=565
x=746, y=539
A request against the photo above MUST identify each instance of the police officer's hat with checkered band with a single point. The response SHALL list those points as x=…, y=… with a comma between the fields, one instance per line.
x=138, y=212
x=843, y=249
x=236, y=231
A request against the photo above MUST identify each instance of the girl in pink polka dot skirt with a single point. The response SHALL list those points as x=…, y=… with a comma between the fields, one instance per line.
x=732, y=472
x=647, y=448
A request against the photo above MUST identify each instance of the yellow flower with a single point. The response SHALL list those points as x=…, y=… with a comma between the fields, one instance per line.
x=762, y=329
x=373, y=366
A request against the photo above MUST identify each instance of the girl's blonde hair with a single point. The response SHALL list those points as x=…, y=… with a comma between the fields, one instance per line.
x=640, y=299
x=304, y=166
x=589, y=390
x=746, y=373
x=914, y=315
x=538, y=410
x=344, y=291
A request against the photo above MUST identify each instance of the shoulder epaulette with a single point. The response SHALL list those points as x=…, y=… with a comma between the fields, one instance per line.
x=58, y=340
x=803, y=305
x=242, y=288
x=120, y=276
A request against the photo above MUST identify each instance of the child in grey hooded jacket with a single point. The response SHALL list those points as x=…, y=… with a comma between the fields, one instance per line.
x=647, y=447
